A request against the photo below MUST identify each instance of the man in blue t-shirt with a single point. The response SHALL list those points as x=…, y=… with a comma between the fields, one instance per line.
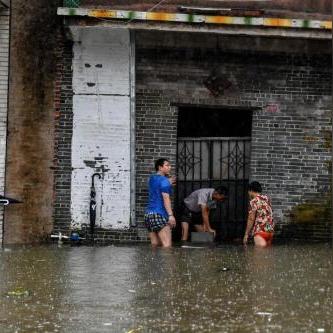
x=159, y=217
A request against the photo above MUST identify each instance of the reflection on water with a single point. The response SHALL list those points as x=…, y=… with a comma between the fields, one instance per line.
x=137, y=289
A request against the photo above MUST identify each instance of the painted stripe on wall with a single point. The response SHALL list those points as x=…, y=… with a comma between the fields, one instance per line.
x=190, y=18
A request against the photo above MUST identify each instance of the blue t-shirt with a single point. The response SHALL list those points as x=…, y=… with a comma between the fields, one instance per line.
x=157, y=185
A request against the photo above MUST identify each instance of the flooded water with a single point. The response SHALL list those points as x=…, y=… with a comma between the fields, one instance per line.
x=135, y=289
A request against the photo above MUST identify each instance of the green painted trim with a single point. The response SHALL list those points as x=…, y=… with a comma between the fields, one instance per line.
x=306, y=24
x=72, y=11
x=131, y=15
x=248, y=20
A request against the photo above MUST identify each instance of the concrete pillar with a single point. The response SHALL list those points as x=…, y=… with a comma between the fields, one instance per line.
x=29, y=175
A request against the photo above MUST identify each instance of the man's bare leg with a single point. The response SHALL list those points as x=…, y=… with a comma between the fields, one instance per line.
x=165, y=236
x=259, y=241
x=154, y=239
x=185, y=228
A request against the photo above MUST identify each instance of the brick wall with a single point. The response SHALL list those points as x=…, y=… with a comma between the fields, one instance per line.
x=156, y=136
x=63, y=136
x=62, y=158
x=291, y=126
x=4, y=52
x=288, y=83
x=98, y=130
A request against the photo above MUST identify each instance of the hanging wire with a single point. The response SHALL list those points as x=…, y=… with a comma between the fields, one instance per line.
x=149, y=10
x=157, y=5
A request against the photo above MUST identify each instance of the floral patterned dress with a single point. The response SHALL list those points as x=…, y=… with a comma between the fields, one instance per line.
x=262, y=207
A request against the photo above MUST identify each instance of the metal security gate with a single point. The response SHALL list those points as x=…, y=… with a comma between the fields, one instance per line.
x=210, y=162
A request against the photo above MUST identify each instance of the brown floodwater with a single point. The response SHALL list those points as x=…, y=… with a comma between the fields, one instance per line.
x=287, y=288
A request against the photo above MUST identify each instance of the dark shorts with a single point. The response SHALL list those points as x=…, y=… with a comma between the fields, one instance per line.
x=185, y=215
x=155, y=222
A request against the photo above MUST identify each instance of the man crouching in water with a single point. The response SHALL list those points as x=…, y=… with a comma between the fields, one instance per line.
x=159, y=217
x=196, y=208
x=260, y=218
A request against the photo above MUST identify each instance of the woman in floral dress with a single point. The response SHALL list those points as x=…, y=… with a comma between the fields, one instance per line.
x=260, y=219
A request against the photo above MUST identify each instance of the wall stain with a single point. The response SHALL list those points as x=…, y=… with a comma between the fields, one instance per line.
x=98, y=164
x=327, y=139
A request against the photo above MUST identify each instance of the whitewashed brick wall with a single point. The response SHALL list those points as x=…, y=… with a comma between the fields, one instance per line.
x=101, y=126
x=4, y=52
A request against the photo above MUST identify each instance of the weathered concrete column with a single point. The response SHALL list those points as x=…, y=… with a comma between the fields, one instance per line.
x=29, y=176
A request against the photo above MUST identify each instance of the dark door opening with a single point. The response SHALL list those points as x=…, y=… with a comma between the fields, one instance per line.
x=214, y=149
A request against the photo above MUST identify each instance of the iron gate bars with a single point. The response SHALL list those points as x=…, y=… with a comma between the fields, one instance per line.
x=213, y=161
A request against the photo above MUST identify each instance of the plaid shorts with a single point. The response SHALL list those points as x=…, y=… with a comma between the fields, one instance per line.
x=155, y=222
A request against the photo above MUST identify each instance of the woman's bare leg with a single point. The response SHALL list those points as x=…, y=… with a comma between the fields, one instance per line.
x=165, y=236
x=154, y=239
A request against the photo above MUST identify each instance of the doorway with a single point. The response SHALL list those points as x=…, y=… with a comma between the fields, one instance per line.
x=213, y=149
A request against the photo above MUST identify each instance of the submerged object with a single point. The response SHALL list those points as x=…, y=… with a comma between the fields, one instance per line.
x=74, y=237
x=192, y=247
x=8, y=201
x=202, y=237
x=60, y=236
x=18, y=292
x=135, y=330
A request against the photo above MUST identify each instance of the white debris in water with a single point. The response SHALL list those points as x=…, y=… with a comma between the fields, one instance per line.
x=320, y=330
x=107, y=324
x=268, y=314
x=131, y=291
